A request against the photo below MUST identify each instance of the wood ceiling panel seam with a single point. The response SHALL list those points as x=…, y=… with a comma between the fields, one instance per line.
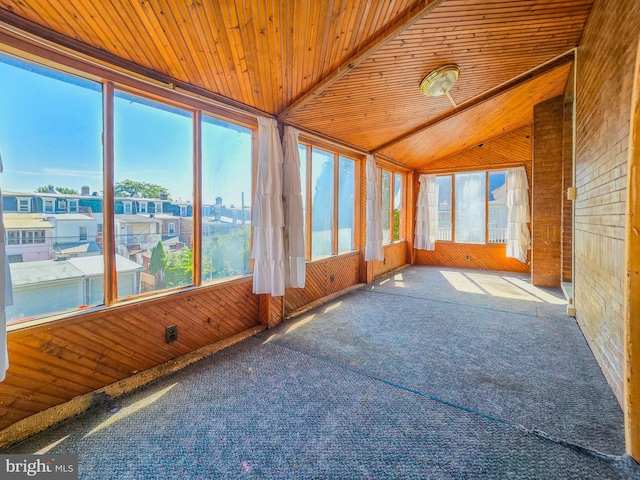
x=107, y=41
x=264, y=86
x=25, y=11
x=236, y=49
x=116, y=26
x=290, y=53
x=212, y=50
x=405, y=22
x=334, y=37
x=275, y=38
x=44, y=12
x=179, y=27
x=227, y=73
x=204, y=41
x=151, y=24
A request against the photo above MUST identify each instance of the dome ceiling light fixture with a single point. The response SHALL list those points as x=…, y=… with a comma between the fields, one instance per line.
x=440, y=81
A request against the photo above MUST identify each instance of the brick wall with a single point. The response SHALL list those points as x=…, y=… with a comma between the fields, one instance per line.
x=606, y=58
x=546, y=209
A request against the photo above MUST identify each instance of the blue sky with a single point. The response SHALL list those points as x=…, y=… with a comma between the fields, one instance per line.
x=51, y=129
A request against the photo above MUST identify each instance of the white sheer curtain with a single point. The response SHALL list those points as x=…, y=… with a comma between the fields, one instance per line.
x=373, y=247
x=6, y=289
x=426, y=214
x=518, y=215
x=293, y=212
x=267, y=218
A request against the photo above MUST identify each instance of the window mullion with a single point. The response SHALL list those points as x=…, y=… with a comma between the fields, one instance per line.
x=109, y=250
x=336, y=168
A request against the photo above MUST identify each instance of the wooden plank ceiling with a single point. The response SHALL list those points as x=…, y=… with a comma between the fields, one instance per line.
x=346, y=69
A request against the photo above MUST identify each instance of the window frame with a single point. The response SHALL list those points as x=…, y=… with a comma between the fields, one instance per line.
x=111, y=79
x=403, y=210
x=487, y=192
x=309, y=145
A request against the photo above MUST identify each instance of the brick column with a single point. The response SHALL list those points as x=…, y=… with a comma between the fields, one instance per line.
x=546, y=221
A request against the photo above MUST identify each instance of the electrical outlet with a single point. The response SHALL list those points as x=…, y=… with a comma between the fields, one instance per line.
x=467, y=258
x=171, y=333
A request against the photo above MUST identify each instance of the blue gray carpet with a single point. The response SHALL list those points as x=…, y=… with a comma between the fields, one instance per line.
x=411, y=377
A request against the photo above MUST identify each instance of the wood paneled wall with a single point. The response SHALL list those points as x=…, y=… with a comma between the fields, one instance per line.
x=603, y=102
x=509, y=150
x=56, y=361
x=395, y=255
x=324, y=277
x=465, y=255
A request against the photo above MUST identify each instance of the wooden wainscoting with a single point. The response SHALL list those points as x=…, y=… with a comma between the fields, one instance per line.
x=486, y=257
x=324, y=277
x=53, y=362
x=395, y=255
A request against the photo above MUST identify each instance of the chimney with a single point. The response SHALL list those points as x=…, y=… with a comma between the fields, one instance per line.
x=85, y=190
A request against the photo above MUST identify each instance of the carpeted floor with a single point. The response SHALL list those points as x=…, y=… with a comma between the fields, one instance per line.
x=427, y=373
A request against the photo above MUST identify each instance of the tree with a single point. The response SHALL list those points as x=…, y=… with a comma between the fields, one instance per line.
x=178, y=268
x=130, y=188
x=156, y=262
x=52, y=189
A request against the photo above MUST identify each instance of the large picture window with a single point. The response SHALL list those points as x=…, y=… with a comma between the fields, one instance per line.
x=51, y=139
x=472, y=207
x=153, y=160
x=329, y=197
x=226, y=199
x=392, y=205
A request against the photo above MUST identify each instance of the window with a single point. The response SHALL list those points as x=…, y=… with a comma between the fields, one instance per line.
x=386, y=206
x=472, y=207
x=153, y=163
x=445, y=217
x=392, y=201
x=497, y=207
x=346, y=204
x=38, y=236
x=329, y=201
x=24, y=205
x=226, y=185
x=322, y=186
x=15, y=258
x=397, y=207
x=55, y=120
x=13, y=237
x=153, y=156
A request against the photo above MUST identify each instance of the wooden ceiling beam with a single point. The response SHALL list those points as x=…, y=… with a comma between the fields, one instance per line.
x=536, y=72
x=412, y=16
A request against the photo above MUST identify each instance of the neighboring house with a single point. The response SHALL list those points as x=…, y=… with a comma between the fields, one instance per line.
x=56, y=286
x=30, y=237
x=136, y=235
x=497, y=220
x=75, y=234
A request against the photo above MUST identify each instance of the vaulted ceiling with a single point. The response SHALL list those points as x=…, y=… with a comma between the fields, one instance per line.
x=346, y=69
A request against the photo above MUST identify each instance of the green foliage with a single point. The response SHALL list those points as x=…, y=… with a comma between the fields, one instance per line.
x=178, y=267
x=51, y=189
x=226, y=254
x=129, y=188
x=157, y=260
x=396, y=224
